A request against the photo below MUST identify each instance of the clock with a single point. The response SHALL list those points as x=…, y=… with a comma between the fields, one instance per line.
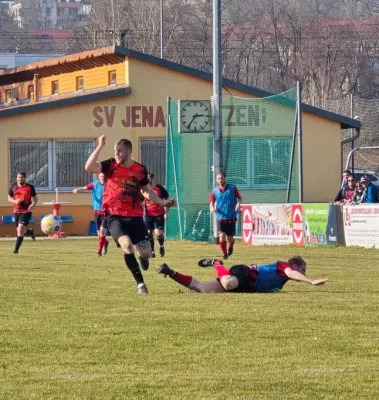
x=194, y=116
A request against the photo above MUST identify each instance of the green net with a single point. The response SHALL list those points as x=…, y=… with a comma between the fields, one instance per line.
x=259, y=143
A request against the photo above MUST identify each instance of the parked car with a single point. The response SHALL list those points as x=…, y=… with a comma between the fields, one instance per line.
x=372, y=175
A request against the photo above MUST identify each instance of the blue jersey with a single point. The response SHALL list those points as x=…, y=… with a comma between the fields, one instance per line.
x=268, y=278
x=226, y=200
x=97, y=192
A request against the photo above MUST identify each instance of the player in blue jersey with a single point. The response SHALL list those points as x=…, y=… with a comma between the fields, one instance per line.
x=97, y=191
x=225, y=202
x=245, y=278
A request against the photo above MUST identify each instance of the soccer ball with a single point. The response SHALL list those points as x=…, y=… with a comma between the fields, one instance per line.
x=50, y=224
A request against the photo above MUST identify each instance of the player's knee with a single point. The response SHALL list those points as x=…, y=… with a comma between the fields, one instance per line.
x=229, y=282
x=126, y=245
x=222, y=236
x=144, y=249
x=159, y=233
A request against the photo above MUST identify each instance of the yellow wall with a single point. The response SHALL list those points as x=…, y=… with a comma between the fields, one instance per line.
x=93, y=78
x=150, y=87
x=22, y=90
x=321, y=158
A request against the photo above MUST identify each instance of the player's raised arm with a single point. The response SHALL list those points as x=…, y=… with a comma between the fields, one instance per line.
x=92, y=164
x=298, y=276
x=149, y=194
x=80, y=190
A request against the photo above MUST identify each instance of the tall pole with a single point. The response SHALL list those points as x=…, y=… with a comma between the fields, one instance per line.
x=352, y=133
x=216, y=100
x=300, y=141
x=161, y=17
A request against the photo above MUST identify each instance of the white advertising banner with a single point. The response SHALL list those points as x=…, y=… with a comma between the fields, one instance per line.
x=361, y=225
x=275, y=224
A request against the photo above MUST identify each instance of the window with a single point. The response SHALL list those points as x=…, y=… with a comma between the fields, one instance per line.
x=11, y=94
x=255, y=162
x=51, y=164
x=79, y=83
x=31, y=92
x=153, y=157
x=112, y=78
x=55, y=87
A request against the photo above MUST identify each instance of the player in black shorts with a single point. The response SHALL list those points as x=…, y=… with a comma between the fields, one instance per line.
x=155, y=216
x=24, y=198
x=242, y=278
x=125, y=180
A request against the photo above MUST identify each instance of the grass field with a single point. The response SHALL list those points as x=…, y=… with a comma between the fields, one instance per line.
x=73, y=327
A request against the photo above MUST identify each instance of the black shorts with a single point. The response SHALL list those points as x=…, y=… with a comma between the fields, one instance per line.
x=226, y=226
x=22, y=218
x=100, y=221
x=246, y=281
x=134, y=227
x=154, y=222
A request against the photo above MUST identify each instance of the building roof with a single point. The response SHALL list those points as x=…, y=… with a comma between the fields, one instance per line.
x=115, y=54
x=67, y=99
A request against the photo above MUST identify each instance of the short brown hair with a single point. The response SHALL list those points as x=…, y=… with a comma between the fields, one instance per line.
x=296, y=260
x=126, y=143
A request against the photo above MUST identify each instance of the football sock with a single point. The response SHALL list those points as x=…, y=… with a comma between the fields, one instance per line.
x=161, y=240
x=18, y=242
x=223, y=247
x=184, y=280
x=220, y=270
x=151, y=240
x=102, y=240
x=132, y=263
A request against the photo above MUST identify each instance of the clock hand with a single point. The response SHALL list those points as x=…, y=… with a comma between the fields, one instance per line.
x=193, y=118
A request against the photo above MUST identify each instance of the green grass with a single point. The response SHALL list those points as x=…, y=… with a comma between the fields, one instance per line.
x=73, y=327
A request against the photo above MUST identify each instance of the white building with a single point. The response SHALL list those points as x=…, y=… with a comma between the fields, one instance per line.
x=12, y=60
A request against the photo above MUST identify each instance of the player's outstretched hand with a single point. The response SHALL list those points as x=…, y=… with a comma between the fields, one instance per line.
x=170, y=203
x=319, y=281
x=102, y=140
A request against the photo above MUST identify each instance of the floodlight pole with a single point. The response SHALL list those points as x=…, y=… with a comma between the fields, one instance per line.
x=161, y=20
x=216, y=100
x=300, y=141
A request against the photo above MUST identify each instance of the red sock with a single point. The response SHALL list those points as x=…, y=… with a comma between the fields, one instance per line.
x=184, y=280
x=223, y=247
x=231, y=245
x=220, y=270
x=102, y=240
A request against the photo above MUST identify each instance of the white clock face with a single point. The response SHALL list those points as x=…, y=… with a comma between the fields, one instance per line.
x=195, y=116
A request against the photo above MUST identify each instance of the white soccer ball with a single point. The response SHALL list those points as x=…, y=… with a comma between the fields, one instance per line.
x=50, y=224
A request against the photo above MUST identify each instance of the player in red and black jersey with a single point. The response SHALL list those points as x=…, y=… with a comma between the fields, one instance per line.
x=24, y=198
x=125, y=179
x=245, y=278
x=155, y=216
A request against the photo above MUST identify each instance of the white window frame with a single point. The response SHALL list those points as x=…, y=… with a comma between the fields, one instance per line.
x=51, y=162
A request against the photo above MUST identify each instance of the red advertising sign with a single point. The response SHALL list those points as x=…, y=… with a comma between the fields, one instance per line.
x=247, y=224
x=297, y=225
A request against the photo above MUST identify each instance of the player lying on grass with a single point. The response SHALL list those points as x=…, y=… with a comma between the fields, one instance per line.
x=245, y=278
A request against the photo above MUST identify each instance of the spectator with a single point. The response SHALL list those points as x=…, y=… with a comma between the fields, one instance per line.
x=370, y=194
x=345, y=196
x=345, y=176
x=357, y=198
